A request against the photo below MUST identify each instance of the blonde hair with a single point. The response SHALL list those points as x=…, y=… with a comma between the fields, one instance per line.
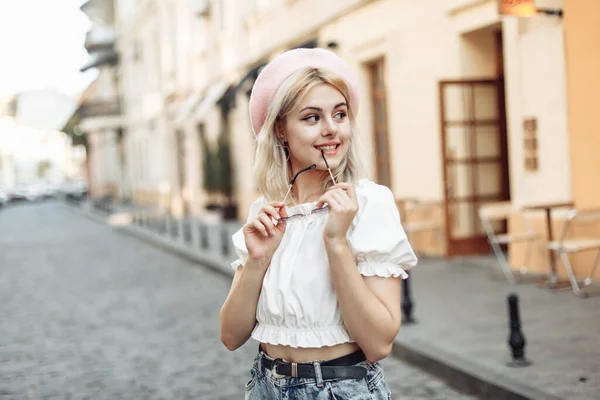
x=273, y=178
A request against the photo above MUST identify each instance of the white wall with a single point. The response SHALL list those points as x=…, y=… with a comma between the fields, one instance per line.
x=536, y=87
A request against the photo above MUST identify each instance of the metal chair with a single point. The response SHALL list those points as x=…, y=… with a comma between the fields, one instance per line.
x=570, y=243
x=500, y=211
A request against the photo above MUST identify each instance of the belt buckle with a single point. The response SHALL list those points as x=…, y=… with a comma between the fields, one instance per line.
x=274, y=369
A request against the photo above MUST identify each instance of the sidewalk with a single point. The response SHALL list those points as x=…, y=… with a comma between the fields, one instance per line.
x=462, y=332
x=462, y=326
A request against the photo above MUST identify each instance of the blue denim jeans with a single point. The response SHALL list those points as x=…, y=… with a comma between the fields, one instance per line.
x=265, y=386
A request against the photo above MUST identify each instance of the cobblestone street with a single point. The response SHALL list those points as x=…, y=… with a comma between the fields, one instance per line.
x=89, y=313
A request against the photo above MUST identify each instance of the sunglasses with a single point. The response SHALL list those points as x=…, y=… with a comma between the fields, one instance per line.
x=316, y=210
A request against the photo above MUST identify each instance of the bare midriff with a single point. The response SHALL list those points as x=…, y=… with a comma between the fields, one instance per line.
x=305, y=354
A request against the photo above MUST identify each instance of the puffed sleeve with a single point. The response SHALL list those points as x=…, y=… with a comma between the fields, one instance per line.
x=377, y=239
x=239, y=244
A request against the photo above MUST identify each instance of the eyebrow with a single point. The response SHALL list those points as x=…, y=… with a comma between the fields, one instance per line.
x=343, y=103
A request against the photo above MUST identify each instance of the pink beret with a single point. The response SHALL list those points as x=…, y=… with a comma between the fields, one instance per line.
x=283, y=66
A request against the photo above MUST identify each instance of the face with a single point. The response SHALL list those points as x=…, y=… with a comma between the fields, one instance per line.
x=319, y=121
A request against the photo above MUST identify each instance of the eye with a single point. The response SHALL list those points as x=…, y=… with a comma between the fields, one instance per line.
x=341, y=115
x=311, y=118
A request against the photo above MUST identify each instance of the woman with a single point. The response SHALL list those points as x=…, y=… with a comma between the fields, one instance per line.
x=317, y=281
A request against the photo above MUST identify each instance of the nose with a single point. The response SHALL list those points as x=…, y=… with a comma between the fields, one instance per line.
x=330, y=127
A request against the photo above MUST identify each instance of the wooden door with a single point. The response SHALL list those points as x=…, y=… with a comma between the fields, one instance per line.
x=474, y=148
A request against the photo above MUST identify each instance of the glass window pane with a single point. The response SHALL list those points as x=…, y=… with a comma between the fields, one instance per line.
x=457, y=100
x=459, y=180
x=487, y=141
x=462, y=220
x=486, y=102
x=489, y=180
x=458, y=145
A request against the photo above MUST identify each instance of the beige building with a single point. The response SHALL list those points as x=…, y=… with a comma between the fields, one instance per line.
x=99, y=110
x=431, y=78
x=461, y=106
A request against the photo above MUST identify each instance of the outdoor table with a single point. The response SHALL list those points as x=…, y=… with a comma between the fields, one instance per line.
x=552, y=282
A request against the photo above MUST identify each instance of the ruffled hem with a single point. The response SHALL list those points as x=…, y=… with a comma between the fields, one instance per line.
x=383, y=269
x=294, y=337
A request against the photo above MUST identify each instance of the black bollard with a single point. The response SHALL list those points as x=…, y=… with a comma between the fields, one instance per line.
x=203, y=236
x=516, y=339
x=407, y=304
x=224, y=241
x=187, y=234
x=173, y=226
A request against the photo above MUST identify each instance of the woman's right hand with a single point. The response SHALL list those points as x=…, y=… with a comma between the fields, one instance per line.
x=261, y=234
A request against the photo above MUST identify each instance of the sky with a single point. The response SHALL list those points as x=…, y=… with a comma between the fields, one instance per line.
x=42, y=46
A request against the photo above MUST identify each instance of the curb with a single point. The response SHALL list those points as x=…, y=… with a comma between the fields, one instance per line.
x=214, y=263
x=464, y=375
x=457, y=372
x=207, y=260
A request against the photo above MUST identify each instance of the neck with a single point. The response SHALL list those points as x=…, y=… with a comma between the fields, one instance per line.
x=308, y=186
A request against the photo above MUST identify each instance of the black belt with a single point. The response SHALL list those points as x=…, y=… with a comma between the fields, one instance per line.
x=338, y=368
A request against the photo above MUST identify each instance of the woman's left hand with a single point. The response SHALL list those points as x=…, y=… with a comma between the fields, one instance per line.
x=343, y=206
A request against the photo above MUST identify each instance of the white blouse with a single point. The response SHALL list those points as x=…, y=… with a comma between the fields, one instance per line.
x=297, y=306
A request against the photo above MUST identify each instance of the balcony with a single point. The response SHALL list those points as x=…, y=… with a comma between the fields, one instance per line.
x=100, y=38
x=201, y=8
x=100, y=108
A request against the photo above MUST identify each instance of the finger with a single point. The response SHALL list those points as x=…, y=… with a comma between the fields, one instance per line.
x=349, y=189
x=276, y=204
x=352, y=193
x=346, y=204
x=283, y=212
x=334, y=204
x=323, y=200
x=269, y=210
x=259, y=227
x=266, y=221
x=341, y=185
x=341, y=196
x=273, y=211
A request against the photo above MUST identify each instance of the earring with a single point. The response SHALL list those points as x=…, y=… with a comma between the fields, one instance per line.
x=281, y=153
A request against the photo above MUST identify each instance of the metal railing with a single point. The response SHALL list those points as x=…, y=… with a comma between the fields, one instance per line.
x=101, y=108
x=189, y=231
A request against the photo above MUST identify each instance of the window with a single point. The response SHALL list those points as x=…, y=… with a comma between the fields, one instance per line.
x=380, y=127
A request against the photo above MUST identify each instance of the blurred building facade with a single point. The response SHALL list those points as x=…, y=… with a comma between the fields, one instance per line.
x=99, y=113
x=7, y=170
x=32, y=149
x=461, y=106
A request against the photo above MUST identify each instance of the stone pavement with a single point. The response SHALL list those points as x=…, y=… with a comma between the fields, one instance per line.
x=462, y=330
x=463, y=323
x=89, y=313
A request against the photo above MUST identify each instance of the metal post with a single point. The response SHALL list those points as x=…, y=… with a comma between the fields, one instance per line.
x=224, y=241
x=187, y=231
x=203, y=236
x=194, y=233
x=516, y=339
x=407, y=303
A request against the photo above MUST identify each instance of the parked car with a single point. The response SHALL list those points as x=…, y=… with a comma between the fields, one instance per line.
x=28, y=192
x=74, y=189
